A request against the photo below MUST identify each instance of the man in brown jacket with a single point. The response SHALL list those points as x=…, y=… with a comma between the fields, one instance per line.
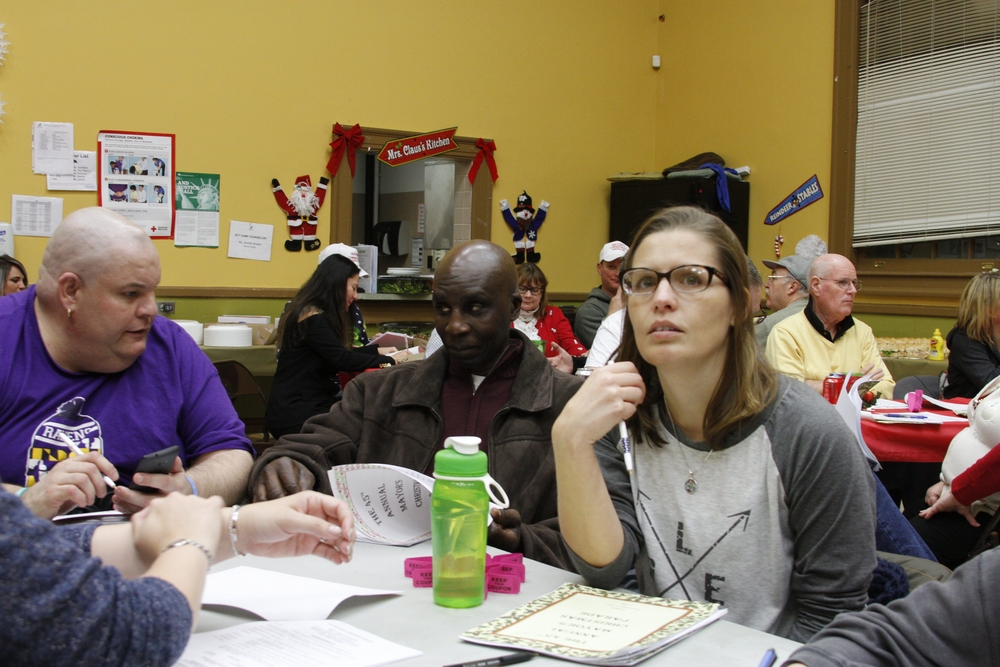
x=488, y=381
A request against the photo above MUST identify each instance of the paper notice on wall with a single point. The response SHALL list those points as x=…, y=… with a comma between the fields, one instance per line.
x=135, y=177
x=6, y=239
x=84, y=176
x=197, y=218
x=35, y=216
x=52, y=148
x=250, y=240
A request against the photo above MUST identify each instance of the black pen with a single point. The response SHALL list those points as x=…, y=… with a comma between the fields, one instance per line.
x=769, y=658
x=509, y=659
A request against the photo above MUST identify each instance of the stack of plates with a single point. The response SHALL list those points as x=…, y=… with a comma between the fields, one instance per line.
x=195, y=329
x=228, y=335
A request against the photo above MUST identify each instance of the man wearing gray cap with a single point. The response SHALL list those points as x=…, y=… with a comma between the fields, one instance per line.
x=593, y=311
x=787, y=287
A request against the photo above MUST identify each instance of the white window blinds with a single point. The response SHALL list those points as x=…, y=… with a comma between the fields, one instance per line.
x=928, y=142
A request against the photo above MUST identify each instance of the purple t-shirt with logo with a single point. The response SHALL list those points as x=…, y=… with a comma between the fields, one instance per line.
x=171, y=395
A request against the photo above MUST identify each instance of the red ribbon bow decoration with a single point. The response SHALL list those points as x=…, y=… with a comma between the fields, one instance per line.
x=486, y=149
x=344, y=138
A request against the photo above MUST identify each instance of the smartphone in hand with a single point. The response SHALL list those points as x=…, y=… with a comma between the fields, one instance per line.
x=158, y=463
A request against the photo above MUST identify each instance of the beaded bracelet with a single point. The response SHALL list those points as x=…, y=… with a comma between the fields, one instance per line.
x=234, y=515
x=182, y=543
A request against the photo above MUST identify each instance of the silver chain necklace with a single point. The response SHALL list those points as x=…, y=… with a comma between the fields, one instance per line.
x=691, y=485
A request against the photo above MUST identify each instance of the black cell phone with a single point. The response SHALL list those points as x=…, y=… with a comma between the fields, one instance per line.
x=158, y=463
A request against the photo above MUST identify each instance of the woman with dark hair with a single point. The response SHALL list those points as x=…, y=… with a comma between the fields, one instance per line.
x=314, y=344
x=13, y=277
x=973, y=358
x=747, y=487
x=538, y=320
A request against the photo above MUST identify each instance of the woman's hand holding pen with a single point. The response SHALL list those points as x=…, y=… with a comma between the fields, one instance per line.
x=610, y=395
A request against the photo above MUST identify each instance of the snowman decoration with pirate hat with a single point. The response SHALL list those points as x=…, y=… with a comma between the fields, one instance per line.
x=525, y=223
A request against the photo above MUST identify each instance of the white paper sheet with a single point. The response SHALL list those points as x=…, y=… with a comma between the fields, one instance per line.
x=849, y=408
x=6, y=239
x=276, y=596
x=52, y=148
x=957, y=408
x=35, y=216
x=292, y=644
x=391, y=505
x=84, y=176
x=250, y=240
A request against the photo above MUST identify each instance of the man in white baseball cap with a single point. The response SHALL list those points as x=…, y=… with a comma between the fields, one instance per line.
x=343, y=250
x=593, y=311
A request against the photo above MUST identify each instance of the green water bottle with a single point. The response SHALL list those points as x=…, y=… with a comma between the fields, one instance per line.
x=460, y=507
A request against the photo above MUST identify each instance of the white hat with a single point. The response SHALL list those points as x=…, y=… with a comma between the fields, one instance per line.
x=612, y=251
x=343, y=250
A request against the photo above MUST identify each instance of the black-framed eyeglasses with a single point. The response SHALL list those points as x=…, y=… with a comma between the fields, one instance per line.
x=533, y=291
x=845, y=284
x=687, y=278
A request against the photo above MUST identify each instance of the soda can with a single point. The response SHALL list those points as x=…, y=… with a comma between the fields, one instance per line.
x=832, y=385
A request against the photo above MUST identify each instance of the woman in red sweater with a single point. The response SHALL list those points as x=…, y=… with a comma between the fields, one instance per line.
x=540, y=321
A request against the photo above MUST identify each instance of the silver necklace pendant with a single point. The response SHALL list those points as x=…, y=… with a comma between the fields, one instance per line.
x=691, y=485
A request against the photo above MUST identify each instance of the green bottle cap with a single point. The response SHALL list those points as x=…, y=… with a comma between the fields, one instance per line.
x=460, y=457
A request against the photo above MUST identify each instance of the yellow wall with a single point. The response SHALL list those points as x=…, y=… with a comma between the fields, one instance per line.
x=751, y=81
x=252, y=88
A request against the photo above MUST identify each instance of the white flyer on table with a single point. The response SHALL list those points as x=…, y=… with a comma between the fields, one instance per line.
x=35, y=216
x=250, y=240
x=291, y=644
x=52, y=148
x=391, y=505
x=84, y=176
x=277, y=596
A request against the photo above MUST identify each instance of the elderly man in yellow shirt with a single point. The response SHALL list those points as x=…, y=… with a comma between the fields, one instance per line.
x=824, y=338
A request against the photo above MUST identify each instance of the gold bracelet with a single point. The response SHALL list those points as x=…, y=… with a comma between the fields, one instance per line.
x=234, y=515
x=184, y=543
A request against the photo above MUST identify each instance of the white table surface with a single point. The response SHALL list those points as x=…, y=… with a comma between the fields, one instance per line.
x=412, y=619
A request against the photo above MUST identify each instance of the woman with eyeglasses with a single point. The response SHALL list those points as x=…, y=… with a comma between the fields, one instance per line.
x=540, y=321
x=747, y=488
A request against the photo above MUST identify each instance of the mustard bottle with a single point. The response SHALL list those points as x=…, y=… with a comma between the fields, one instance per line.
x=937, y=347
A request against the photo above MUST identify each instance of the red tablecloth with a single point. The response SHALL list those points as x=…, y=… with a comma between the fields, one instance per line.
x=916, y=443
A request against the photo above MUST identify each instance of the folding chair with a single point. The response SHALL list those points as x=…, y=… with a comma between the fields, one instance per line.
x=247, y=398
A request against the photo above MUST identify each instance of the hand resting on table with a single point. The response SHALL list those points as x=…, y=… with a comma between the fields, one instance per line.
x=282, y=477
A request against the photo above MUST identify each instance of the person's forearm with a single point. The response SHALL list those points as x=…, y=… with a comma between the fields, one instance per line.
x=979, y=480
x=816, y=385
x=222, y=473
x=587, y=517
x=185, y=569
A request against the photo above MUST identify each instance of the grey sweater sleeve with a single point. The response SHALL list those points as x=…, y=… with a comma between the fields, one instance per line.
x=588, y=320
x=62, y=607
x=830, y=494
x=955, y=623
x=620, y=488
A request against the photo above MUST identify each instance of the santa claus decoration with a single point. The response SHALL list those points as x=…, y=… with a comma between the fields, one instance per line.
x=525, y=223
x=301, y=207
